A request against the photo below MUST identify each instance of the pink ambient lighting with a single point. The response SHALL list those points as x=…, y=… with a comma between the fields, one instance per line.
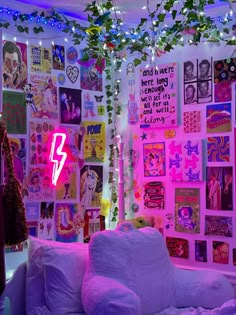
x=57, y=156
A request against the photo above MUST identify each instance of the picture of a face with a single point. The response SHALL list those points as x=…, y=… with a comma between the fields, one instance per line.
x=203, y=88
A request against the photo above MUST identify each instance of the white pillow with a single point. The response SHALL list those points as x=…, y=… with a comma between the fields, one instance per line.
x=34, y=276
x=64, y=271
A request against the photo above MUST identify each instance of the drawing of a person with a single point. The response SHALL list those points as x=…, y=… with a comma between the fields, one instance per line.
x=227, y=193
x=48, y=96
x=90, y=184
x=17, y=162
x=185, y=213
x=131, y=77
x=214, y=193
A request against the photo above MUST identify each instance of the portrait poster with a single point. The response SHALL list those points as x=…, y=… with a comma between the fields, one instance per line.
x=67, y=183
x=159, y=96
x=219, y=188
x=91, y=185
x=200, y=251
x=185, y=160
x=14, y=112
x=177, y=247
x=192, y=121
x=14, y=65
x=46, y=221
x=32, y=211
x=218, y=118
x=38, y=185
x=91, y=74
x=44, y=92
x=94, y=141
x=218, y=149
x=69, y=223
x=93, y=222
x=187, y=210
x=220, y=252
x=154, y=195
x=39, y=146
x=58, y=57
x=218, y=226
x=73, y=143
x=154, y=159
x=41, y=59
x=70, y=105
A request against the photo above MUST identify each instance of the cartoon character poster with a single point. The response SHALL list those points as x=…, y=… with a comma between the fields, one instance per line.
x=218, y=149
x=70, y=105
x=40, y=135
x=58, y=57
x=177, y=247
x=187, y=210
x=67, y=183
x=219, y=188
x=154, y=159
x=46, y=222
x=69, y=223
x=218, y=225
x=154, y=195
x=218, y=118
x=94, y=141
x=44, y=92
x=14, y=112
x=200, y=251
x=91, y=74
x=41, y=59
x=14, y=65
x=192, y=122
x=185, y=160
x=220, y=252
x=91, y=185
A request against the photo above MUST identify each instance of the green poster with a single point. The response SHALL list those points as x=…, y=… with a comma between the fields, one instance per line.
x=14, y=112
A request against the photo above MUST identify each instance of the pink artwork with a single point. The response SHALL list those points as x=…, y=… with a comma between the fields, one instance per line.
x=185, y=160
x=223, y=91
x=192, y=122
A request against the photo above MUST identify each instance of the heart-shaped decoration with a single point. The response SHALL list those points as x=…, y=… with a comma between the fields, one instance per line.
x=72, y=73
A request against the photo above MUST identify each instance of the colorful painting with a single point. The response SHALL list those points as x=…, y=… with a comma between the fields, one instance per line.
x=91, y=75
x=69, y=223
x=70, y=106
x=158, y=96
x=218, y=149
x=218, y=118
x=185, y=160
x=41, y=59
x=67, y=183
x=14, y=112
x=200, y=251
x=223, y=92
x=177, y=247
x=220, y=252
x=46, y=222
x=154, y=159
x=58, y=57
x=192, y=122
x=154, y=195
x=218, y=226
x=187, y=210
x=14, y=65
x=94, y=141
x=91, y=185
x=219, y=188
x=44, y=92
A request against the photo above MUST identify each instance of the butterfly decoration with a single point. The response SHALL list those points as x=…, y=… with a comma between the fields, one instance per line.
x=98, y=98
x=102, y=19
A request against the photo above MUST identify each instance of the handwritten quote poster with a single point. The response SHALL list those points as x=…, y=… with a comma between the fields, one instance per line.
x=158, y=96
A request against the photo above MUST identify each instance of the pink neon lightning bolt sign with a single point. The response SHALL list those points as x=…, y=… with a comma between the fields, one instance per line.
x=57, y=156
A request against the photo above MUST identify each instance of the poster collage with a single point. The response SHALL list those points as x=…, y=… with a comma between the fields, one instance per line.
x=45, y=91
x=198, y=163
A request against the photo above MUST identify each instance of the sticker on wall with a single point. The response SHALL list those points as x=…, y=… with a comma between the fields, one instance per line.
x=154, y=159
x=72, y=73
x=72, y=55
x=177, y=247
x=218, y=118
x=185, y=160
x=58, y=57
x=192, y=121
x=100, y=107
x=220, y=252
x=61, y=78
x=169, y=133
x=41, y=59
x=67, y=184
x=154, y=195
x=218, y=226
x=219, y=188
x=44, y=92
x=200, y=251
x=14, y=72
x=158, y=96
x=70, y=105
x=88, y=106
x=187, y=210
x=169, y=221
x=218, y=149
x=46, y=221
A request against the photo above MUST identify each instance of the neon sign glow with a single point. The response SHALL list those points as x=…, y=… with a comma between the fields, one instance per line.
x=57, y=156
